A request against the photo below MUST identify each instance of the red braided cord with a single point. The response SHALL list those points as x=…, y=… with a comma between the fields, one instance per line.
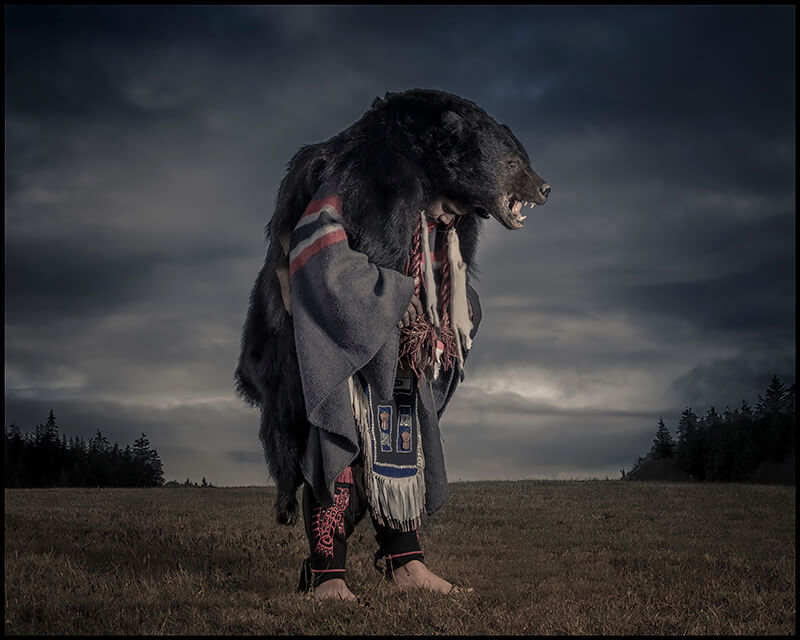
x=446, y=287
x=414, y=266
x=418, y=340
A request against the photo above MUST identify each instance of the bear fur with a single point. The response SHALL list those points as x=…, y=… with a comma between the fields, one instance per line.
x=406, y=149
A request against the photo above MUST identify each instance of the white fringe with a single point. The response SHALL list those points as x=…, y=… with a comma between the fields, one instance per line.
x=396, y=502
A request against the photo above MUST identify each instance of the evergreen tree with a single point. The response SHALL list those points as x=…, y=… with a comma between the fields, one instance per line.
x=14, y=447
x=690, y=455
x=46, y=459
x=46, y=433
x=663, y=445
x=730, y=448
x=98, y=458
x=740, y=445
x=687, y=426
x=148, y=463
x=13, y=431
x=710, y=425
x=777, y=399
x=712, y=418
x=99, y=443
x=43, y=456
x=774, y=428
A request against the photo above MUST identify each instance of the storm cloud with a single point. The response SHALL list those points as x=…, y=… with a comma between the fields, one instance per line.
x=145, y=144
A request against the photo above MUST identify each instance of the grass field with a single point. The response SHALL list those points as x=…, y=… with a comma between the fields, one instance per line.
x=583, y=557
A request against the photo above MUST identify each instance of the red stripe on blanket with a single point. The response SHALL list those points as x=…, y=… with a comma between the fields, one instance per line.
x=315, y=206
x=318, y=245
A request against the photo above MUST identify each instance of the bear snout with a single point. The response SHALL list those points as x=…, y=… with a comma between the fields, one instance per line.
x=544, y=190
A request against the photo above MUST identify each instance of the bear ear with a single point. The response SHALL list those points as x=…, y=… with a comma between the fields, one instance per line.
x=453, y=124
x=378, y=102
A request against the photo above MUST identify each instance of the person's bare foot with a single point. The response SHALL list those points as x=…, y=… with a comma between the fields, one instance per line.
x=414, y=574
x=335, y=588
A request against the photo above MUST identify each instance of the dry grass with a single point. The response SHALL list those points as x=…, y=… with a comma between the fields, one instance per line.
x=597, y=557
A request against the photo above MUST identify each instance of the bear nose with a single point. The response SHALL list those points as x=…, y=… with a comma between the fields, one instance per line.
x=545, y=190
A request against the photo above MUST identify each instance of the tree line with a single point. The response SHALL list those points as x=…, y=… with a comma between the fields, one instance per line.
x=735, y=446
x=46, y=459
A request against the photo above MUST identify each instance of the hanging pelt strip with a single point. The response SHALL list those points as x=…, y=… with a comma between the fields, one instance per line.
x=433, y=341
x=459, y=319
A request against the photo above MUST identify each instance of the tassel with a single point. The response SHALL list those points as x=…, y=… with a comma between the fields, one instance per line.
x=432, y=342
x=418, y=346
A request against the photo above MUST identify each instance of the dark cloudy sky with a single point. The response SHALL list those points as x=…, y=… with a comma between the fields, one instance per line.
x=144, y=146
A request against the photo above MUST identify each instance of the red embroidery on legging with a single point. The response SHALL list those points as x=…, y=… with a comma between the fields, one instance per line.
x=327, y=522
x=346, y=476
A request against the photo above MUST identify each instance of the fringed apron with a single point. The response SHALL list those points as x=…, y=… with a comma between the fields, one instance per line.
x=390, y=427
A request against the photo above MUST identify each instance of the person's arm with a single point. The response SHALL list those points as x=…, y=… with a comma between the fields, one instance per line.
x=337, y=294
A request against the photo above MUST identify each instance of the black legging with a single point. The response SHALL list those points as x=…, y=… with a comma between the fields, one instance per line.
x=329, y=528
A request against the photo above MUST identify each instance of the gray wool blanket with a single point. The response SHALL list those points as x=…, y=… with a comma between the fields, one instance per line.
x=345, y=311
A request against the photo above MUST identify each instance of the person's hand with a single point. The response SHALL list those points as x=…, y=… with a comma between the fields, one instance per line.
x=414, y=310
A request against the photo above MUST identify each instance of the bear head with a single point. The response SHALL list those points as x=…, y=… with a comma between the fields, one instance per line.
x=464, y=153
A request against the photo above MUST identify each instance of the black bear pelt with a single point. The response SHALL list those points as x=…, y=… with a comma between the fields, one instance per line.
x=388, y=165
